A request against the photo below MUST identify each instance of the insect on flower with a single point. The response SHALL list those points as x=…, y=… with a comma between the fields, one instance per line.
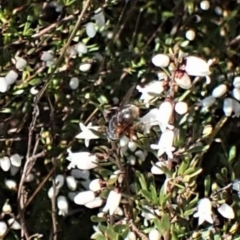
x=123, y=121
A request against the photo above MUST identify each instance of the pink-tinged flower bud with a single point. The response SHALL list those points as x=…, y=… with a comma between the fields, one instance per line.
x=226, y=211
x=236, y=93
x=84, y=197
x=228, y=106
x=113, y=201
x=154, y=235
x=161, y=60
x=219, y=91
x=165, y=114
x=196, y=66
x=97, y=202
x=183, y=81
x=236, y=82
x=181, y=107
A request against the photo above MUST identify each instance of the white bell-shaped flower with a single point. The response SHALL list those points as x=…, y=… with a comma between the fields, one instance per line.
x=15, y=225
x=3, y=228
x=147, y=214
x=3, y=85
x=204, y=211
x=10, y=184
x=59, y=180
x=97, y=202
x=219, y=91
x=150, y=119
x=131, y=236
x=181, y=108
x=87, y=133
x=95, y=185
x=11, y=77
x=154, y=234
x=84, y=197
x=226, y=211
x=99, y=18
x=85, y=67
x=5, y=163
x=113, y=201
x=81, y=48
x=190, y=34
x=16, y=160
x=34, y=91
x=161, y=60
x=20, y=63
x=71, y=183
x=62, y=204
x=83, y=160
x=150, y=91
x=165, y=114
x=74, y=83
x=53, y=192
x=183, y=81
x=162, y=76
x=165, y=144
x=228, y=106
x=236, y=82
x=91, y=30
x=236, y=93
x=196, y=66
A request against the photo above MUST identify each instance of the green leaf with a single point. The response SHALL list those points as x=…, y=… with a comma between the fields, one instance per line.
x=146, y=194
x=164, y=223
x=207, y=185
x=232, y=154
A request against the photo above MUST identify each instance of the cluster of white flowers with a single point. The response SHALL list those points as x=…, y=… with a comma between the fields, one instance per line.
x=12, y=76
x=230, y=104
x=204, y=211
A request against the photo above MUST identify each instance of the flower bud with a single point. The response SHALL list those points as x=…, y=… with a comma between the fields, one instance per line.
x=5, y=163
x=184, y=81
x=97, y=202
x=3, y=85
x=205, y=5
x=53, y=192
x=190, y=35
x=181, y=107
x=219, y=91
x=161, y=60
x=131, y=236
x=14, y=224
x=154, y=235
x=91, y=30
x=20, y=63
x=74, y=83
x=236, y=93
x=226, y=211
x=11, y=77
x=11, y=184
x=59, y=180
x=71, y=183
x=3, y=228
x=236, y=82
x=208, y=101
x=84, y=197
x=228, y=106
x=16, y=160
x=85, y=67
x=95, y=185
